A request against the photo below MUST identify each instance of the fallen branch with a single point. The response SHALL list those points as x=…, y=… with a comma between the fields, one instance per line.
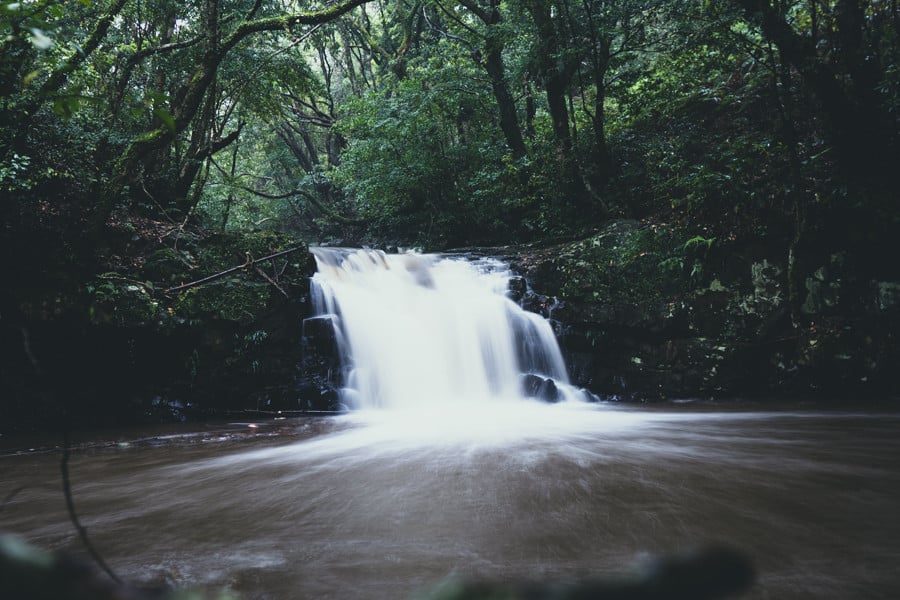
x=273, y=282
x=234, y=269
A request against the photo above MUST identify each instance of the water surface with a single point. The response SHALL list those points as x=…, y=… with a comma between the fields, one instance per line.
x=379, y=505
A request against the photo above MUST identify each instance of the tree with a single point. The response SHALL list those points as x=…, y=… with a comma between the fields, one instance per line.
x=842, y=59
x=144, y=151
x=492, y=60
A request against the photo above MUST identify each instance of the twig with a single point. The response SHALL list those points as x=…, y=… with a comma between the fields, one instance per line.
x=26, y=344
x=183, y=223
x=155, y=201
x=220, y=274
x=73, y=516
x=283, y=268
x=272, y=281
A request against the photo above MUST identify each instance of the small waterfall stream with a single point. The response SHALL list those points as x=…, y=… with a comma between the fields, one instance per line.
x=447, y=469
x=422, y=330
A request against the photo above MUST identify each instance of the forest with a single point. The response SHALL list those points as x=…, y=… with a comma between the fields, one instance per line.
x=734, y=160
x=692, y=206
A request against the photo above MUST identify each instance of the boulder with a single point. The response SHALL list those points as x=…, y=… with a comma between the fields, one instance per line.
x=542, y=388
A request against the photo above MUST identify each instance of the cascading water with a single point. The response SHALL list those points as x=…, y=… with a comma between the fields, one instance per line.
x=419, y=330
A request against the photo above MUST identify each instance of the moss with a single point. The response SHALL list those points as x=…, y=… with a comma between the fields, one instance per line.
x=629, y=263
x=168, y=266
x=138, y=147
x=222, y=251
x=228, y=300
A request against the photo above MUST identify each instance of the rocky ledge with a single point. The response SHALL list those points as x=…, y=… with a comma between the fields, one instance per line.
x=649, y=310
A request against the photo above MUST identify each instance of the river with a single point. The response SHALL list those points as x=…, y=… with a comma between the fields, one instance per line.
x=380, y=505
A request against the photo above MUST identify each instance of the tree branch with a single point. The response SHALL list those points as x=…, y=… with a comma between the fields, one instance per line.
x=137, y=57
x=220, y=274
x=58, y=77
x=286, y=22
x=265, y=276
x=73, y=516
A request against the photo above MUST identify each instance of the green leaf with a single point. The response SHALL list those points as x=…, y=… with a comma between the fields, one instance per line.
x=65, y=107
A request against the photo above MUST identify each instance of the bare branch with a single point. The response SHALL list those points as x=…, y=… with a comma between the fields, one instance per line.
x=73, y=516
x=245, y=265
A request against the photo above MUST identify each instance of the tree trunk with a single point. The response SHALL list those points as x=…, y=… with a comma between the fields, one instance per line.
x=552, y=72
x=858, y=130
x=143, y=151
x=509, y=120
x=496, y=70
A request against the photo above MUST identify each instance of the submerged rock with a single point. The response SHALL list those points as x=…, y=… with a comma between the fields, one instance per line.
x=707, y=574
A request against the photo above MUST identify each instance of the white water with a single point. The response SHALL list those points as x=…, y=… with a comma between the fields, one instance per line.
x=423, y=332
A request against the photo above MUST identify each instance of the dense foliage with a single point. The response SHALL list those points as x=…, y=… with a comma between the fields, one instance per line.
x=445, y=123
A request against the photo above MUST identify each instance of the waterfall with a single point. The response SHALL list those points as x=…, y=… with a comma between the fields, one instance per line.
x=418, y=330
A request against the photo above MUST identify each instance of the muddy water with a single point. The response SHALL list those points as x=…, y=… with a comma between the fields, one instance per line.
x=379, y=506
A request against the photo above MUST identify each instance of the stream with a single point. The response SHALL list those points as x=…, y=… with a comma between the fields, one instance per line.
x=382, y=505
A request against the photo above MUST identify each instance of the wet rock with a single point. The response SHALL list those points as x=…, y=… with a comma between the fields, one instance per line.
x=318, y=388
x=888, y=295
x=829, y=286
x=708, y=573
x=542, y=388
x=518, y=287
x=315, y=394
x=320, y=339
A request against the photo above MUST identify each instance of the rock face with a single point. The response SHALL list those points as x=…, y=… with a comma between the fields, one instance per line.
x=321, y=380
x=646, y=311
x=124, y=347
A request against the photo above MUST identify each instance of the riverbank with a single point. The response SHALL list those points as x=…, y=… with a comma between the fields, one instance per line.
x=649, y=310
x=164, y=329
